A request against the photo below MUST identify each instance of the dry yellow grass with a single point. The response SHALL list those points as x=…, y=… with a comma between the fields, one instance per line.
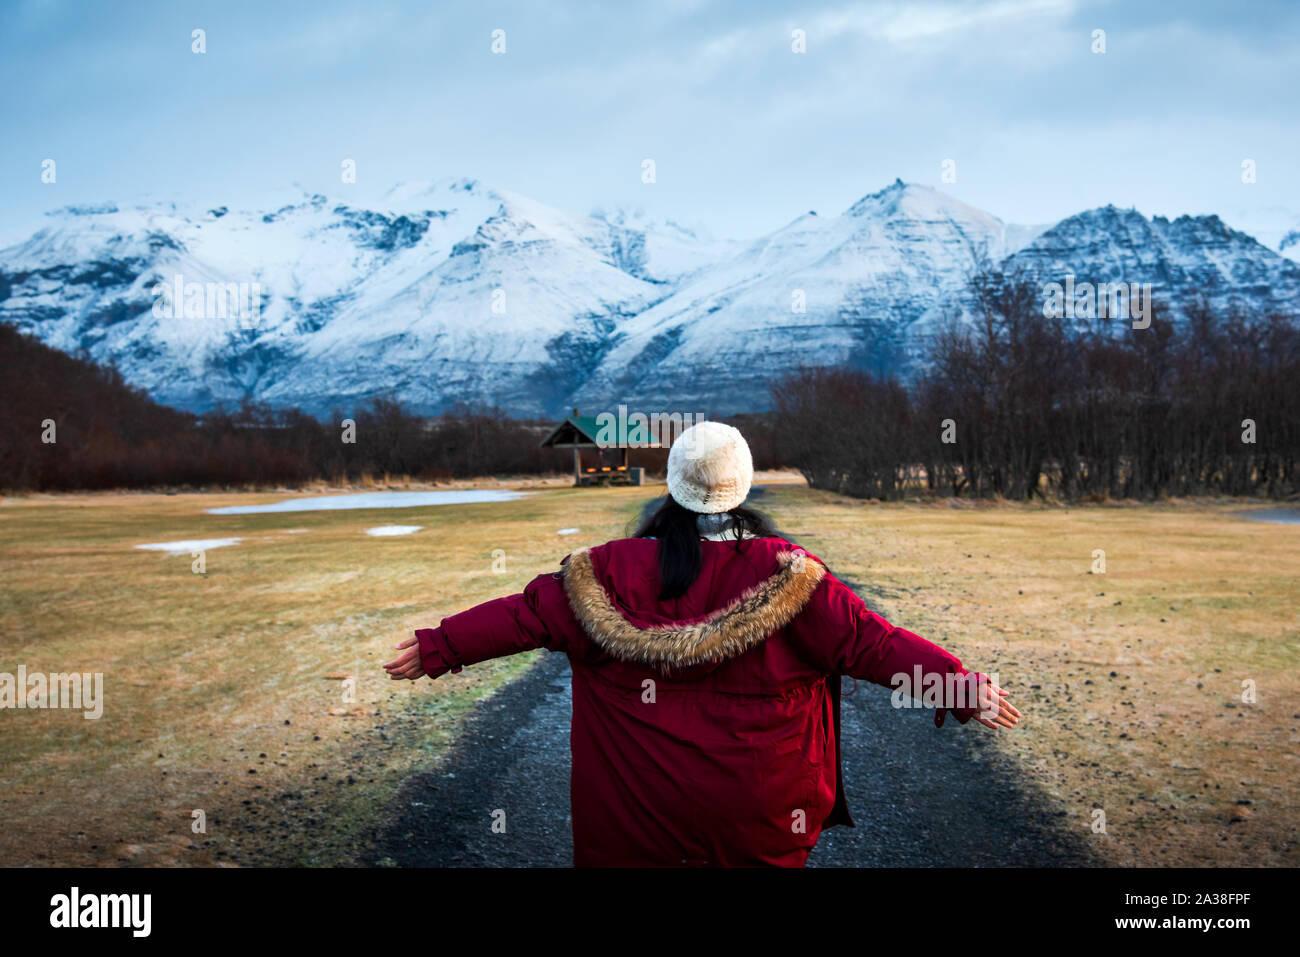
x=225, y=693
x=1131, y=681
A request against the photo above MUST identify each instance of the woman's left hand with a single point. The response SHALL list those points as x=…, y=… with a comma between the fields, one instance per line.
x=995, y=710
x=406, y=665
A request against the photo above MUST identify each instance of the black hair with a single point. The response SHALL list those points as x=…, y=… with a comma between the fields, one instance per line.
x=678, y=531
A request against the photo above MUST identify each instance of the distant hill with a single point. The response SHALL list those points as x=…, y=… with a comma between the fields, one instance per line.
x=69, y=423
x=104, y=431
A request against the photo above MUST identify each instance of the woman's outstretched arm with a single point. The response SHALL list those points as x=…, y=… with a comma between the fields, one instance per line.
x=494, y=629
x=842, y=635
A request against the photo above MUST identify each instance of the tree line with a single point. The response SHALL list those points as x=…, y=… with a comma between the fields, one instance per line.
x=1011, y=403
x=1019, y=405
x=69, y=423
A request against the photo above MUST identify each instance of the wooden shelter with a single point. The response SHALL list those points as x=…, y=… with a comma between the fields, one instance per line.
x=581, y=432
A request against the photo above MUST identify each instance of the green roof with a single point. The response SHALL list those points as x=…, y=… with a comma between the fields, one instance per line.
x=584, y=430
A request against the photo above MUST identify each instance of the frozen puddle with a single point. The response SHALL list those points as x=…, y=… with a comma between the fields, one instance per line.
x=190, y=546
x=329, y=503
x=384, y=530
x=1281, y=516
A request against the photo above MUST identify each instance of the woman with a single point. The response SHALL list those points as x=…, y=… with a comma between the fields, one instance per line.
x=706, y=654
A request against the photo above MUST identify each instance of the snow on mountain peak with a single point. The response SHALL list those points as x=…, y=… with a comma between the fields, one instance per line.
x=449, y=290
x=433, y=194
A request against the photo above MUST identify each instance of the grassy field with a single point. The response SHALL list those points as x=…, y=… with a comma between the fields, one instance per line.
x=228, y=692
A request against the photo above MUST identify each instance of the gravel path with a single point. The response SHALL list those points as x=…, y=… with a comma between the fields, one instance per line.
x=921, y=797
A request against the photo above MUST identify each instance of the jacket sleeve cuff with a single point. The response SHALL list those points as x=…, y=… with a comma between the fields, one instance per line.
x=968, y=692
x=436, y=656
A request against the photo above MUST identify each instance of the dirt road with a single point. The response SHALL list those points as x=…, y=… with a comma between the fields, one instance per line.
x=921, y=797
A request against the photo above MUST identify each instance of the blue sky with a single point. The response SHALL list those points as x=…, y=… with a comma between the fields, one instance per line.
x=745, y=134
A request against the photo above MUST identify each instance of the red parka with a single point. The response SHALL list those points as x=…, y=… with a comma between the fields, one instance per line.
x=705, y=728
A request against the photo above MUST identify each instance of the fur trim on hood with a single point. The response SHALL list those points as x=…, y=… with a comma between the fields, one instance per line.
x=741, y=625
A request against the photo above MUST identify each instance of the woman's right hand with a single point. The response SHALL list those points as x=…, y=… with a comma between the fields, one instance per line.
x=406, y=665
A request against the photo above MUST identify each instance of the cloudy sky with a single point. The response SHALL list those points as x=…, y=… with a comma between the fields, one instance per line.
x=745, y=133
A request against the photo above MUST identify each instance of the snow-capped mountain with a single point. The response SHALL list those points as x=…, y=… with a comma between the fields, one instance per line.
x=450, y=292
x=453, y=291
x=850, y=289
x=1182, y=259
x=673, y=251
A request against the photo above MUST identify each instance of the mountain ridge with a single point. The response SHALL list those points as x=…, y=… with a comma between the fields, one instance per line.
x=451, y=291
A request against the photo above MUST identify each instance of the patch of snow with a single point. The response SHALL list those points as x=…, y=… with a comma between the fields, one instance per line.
x=568, y=531
x=329, y=503
x=1281, y=516
x=384, y=530
x=190, y=545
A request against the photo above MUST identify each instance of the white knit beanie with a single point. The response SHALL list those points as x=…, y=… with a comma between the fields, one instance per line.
x=710, y=468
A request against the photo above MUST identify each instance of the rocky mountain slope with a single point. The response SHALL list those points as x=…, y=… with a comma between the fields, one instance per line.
x=453, y=292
